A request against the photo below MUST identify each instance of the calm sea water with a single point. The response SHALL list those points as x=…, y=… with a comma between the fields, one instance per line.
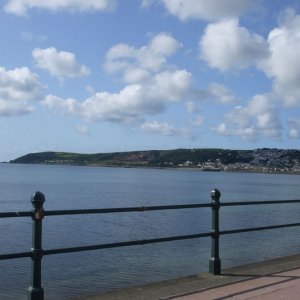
x=67, y=276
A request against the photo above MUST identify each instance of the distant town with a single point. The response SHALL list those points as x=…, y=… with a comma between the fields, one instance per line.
x=263, y=160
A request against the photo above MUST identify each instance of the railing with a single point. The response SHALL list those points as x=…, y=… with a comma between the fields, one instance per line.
x=36, y=292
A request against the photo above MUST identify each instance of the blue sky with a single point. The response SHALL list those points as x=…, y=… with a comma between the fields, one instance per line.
x=102, y=75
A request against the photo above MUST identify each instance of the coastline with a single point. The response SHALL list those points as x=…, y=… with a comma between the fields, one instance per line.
x=144, y=166
x=265, y=160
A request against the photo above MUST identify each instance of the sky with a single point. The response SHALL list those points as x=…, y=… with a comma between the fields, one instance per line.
x=92, y=76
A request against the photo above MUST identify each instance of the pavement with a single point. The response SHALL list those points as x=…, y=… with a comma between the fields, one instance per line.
x=273, y=279
x=283, y=285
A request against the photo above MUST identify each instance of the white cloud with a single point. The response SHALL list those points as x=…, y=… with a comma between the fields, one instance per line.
x=120, y=51
x=206, y=10
x=215, y=92
x=29, y=36
x=162, y=44
x=244, y=133
x=164, y=128
x=132, y=103
x=294, y=125
x=283, y=64
x=68, y=106
x=137, y=64
x=18, y=88
x=60, y=64
x=226, y=45
x=220, y=93
x=134, y=75
x=151, y=85
x=258, y=118
x=294, y=134
x=158, y=128
x=14, y=108
x=170, y=85
x=21, y=7
x=126, y=106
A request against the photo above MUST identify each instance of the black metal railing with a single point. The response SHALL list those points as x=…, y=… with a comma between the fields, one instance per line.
x=36, y=292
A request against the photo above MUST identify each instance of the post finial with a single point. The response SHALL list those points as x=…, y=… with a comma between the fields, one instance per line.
x=37, y=200
x=215, y=194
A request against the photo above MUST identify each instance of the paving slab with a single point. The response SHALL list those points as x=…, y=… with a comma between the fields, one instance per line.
x=283, y=285
x=273, y=279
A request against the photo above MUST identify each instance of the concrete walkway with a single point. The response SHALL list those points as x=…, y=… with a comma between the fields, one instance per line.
x=284, y=285
x=274, y=279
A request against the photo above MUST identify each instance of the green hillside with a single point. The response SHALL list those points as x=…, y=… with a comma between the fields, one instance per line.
x=259, y=160
x=137, y=158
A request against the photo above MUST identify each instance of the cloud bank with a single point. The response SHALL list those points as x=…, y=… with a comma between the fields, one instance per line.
x=150, y=85
x=227, y=46
x=258, y=118
x=283, y=64
x=132, y=103
x=138, y=64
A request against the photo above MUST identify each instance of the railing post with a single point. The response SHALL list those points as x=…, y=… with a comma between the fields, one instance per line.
x=35, y=291
x=215, y=262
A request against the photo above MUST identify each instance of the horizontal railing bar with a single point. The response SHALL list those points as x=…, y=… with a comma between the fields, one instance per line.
x=122, y=209
x=240, y=203
x=14, y=214
x=15, y=255
x=124, y=244
x=258, y=228
x=139, y=208
x=142, y=242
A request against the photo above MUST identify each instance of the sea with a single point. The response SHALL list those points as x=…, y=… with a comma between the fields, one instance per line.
x=67, y=276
